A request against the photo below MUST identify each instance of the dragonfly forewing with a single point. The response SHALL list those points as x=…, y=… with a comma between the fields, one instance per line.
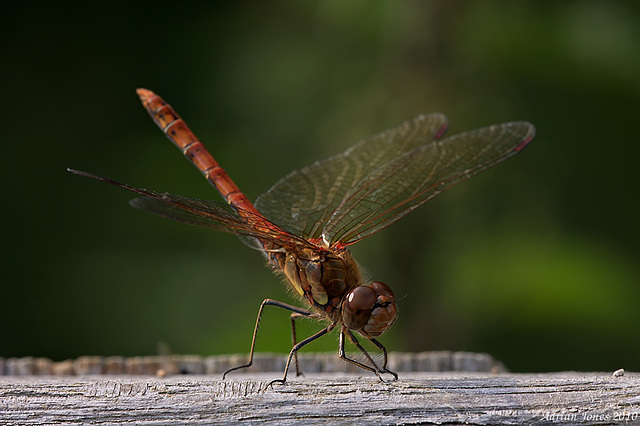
x=305, y=200
x=350, y=196
x=411, y=179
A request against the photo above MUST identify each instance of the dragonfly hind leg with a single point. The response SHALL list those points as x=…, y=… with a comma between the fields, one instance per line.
x=298, y=312
x=374, y=366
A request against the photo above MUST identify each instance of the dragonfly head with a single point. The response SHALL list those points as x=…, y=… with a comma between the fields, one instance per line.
x=370, y=309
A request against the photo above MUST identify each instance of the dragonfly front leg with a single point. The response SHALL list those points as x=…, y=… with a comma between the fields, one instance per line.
x=268, y=302
x=373, y=367
x=385, y=357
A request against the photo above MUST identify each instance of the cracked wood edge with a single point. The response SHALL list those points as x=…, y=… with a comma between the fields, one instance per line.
x=553, y=398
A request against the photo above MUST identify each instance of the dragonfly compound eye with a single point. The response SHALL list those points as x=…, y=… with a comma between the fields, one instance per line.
x=370, y=309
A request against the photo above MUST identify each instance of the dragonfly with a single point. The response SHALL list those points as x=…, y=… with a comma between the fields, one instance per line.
x=304, y=224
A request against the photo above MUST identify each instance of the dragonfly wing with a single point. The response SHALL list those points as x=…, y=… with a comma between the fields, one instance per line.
x=220, y=217
x=394, y=189
x=304, y=201
x=205, y=214
x=249, y=226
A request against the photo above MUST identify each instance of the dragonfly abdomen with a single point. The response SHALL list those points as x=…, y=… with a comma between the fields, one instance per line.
x=174, y=127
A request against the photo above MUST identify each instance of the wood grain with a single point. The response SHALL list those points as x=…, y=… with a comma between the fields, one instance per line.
x=321, y=398
x=218, y=364
x=434, y=387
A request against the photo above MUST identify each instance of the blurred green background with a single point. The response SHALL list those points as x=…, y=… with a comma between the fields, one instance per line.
x=535, y=261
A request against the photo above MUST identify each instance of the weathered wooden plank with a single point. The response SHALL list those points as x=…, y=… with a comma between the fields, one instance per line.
x=218, y=364
x=321, y=398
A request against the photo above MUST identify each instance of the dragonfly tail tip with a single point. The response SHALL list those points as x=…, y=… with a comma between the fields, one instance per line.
x=144, y=94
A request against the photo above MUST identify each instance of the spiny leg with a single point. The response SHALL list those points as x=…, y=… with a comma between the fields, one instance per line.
x=294, y=339
x=342, y=354
x=299, y=346
x=384, y=368
x=373, y=367
x=385, y=356
x=266, y=302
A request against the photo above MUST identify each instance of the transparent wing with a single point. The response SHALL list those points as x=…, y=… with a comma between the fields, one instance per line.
x=406, y=182
x=367, y=192
x=250, y=227
x=305, y=200
x=220, y=217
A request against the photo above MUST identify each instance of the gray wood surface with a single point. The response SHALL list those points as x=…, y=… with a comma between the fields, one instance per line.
x=434, y=387
x=321, y=398
x=217, y=364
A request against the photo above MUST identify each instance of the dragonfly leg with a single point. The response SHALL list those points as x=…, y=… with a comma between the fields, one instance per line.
x=341, y=352
x=267, y=302
x=299, y=346
x=373, y=367
x=384, y=353
x=294, y=316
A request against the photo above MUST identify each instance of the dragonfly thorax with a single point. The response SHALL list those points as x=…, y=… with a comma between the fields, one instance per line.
x=332, y=283
x=320, y=277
